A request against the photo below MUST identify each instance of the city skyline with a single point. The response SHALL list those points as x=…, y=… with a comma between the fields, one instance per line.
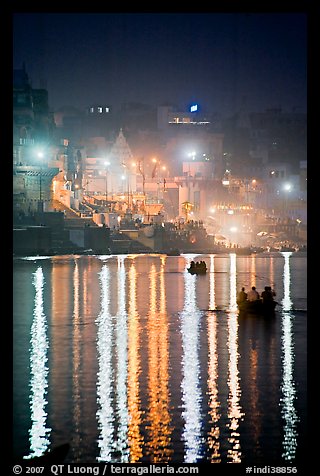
x=222, y=61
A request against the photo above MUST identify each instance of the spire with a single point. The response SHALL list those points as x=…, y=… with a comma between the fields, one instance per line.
x=121, y=150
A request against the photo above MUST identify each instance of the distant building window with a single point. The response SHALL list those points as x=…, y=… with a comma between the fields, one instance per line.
x=26, y=141
x=92, y=110
x=100, y=110
x=107, y=109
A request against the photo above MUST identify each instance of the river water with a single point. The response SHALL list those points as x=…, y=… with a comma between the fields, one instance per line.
x=131, y=359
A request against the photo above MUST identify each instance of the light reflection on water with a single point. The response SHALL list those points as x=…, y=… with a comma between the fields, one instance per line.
x=135, y=437
x=234, y=408
x=151, y=385
x=121, y=409
x=213, y=393
x=158, y=416
x=190, y=385
x=105, y=373
x=288, y=387
x=77, y=357
x=39, y=432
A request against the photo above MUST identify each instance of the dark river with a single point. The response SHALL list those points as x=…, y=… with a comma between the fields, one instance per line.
x=131, y=359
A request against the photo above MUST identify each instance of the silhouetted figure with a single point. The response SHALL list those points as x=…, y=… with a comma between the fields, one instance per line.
x=253, y=294
x=242, y=296
x=267, y=294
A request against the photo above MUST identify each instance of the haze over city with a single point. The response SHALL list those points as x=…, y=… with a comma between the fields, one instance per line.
x=221, y=61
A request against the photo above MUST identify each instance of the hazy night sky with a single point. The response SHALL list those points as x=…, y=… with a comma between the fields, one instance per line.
x=215, y=59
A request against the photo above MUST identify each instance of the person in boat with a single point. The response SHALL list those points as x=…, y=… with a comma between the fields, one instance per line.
x=192, y=264
x=253, y=294
x=242, y=296
x=267, y=295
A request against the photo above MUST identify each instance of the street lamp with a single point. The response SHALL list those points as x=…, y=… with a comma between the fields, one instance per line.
x=40, y=206
x=106, y=164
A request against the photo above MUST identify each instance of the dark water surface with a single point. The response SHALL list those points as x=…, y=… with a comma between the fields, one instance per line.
x=131, y=359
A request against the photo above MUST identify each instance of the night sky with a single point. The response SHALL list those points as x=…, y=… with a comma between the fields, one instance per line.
x=219, y=60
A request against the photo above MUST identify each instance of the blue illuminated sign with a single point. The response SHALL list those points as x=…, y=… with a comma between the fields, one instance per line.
x=194, y=108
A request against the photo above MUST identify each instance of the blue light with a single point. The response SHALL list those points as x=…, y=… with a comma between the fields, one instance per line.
x=194, y=108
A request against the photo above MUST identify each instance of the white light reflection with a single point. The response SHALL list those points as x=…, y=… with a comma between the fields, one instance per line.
x=39, y=433
x=105, y=375
x=286, y=301
x=234, y=408
x=190, y=385
x=214, y=404
x=288, y=389
x=35, y=258
x=121, y=440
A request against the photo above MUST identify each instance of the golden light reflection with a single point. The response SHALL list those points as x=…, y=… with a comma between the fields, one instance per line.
x=61, y=336
x=288, y=387
x=39, y=432
x=254, y=396
x=135, y=438
x=234, y=408
x=61, y=274
x=166, y=429
x=105, y=376
x=233, y=282
x=76, y=361
x=212, y=291
x=159, y=431
x=214, y=404
x=271, y=270
x=190, y=385
x=253, y=270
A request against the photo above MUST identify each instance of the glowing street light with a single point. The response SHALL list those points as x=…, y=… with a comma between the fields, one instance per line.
x=287, y=187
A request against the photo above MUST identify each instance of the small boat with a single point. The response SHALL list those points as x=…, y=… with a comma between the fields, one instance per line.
x=197, y=269
x=259, y=307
